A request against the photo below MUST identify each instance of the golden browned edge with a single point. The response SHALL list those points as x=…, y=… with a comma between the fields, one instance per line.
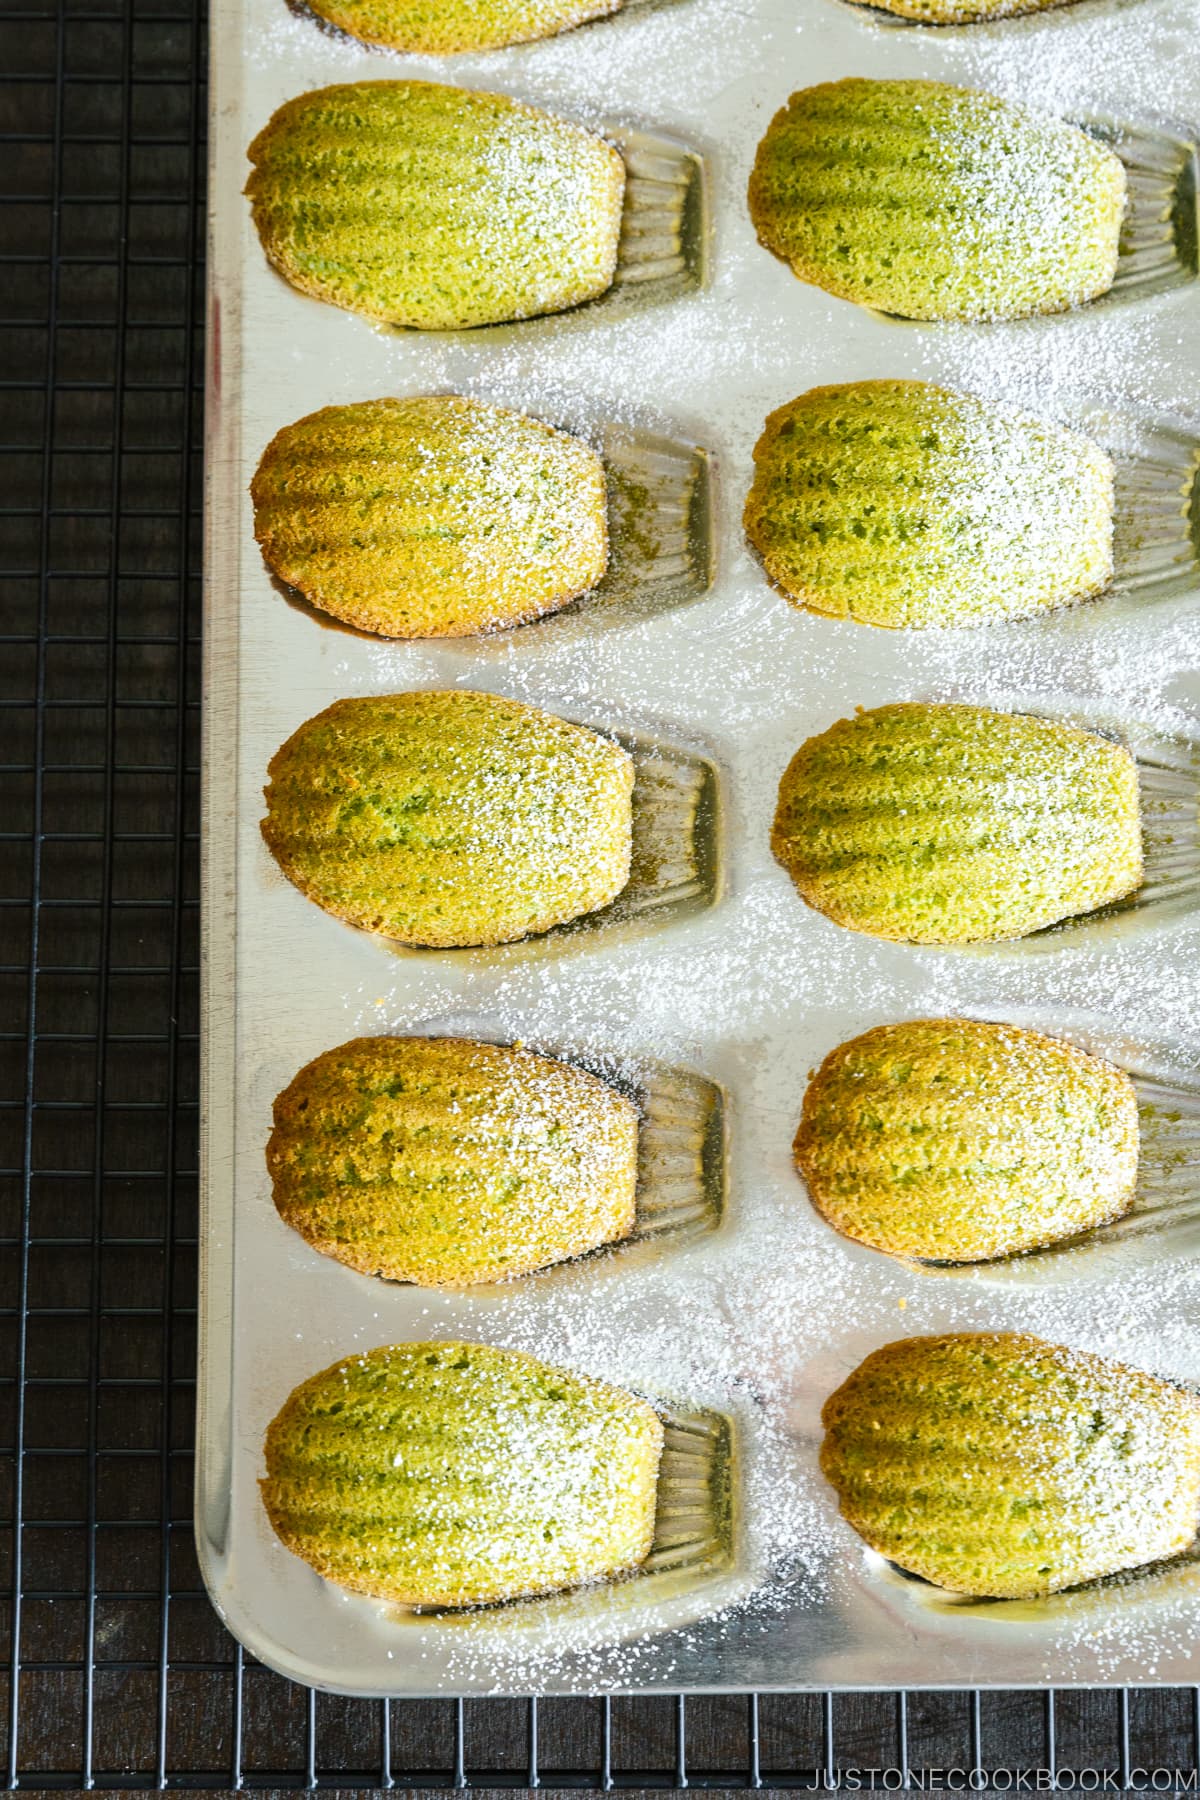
x=807, y=599
x=444, y=1600
x=647, y=1474
x=338, y=1251
x=452, y=46
x=808, y=273
x=837, y=916
x=544, y=922
x=320, y=290
x=363, y=619
x=830, y=1408
x=967, y=14
x=805, y=1132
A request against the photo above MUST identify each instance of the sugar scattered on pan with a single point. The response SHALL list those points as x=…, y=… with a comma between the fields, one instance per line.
x=764, y=1300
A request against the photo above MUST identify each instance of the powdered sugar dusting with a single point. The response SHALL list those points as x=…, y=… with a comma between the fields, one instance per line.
x=763, y=1319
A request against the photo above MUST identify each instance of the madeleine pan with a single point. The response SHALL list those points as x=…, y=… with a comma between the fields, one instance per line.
x=707, y=976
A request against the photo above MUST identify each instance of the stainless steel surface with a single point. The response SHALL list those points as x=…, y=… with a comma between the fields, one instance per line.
x=1158, y=238
x=740, y=983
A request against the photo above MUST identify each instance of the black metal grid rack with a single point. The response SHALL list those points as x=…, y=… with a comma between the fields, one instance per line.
x=118, y=1674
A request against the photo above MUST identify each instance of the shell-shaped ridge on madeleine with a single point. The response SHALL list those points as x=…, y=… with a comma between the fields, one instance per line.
x=962, y=1140
x=949, y=823
x=996, y=1464
x=431, y=516
x=440, y=208
x=450, y=1161
x=443, y=818
x=452, y=1474
x=907, y=505
x=937, y=202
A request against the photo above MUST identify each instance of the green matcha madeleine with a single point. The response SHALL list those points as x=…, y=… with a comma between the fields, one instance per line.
x=441, y=27
x=961, y=12
x=448, y=1161
x=947, y=824
x=996, y=1464
x=435, y=207
x=958, y=1140
x=450, y=818
x=447, y=1474
x=435, y=516
x=937, y=202
x=901, y=504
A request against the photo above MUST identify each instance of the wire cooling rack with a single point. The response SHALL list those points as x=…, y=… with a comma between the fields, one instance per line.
x=118, y=1673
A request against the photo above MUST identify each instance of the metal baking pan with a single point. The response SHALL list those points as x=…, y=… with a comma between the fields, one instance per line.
x=742, y=1323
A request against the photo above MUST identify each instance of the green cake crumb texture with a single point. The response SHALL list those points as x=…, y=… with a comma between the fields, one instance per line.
x=448, y=1161
x=940, y=824
x=448, y=1474
x=937, y=202
x=959, y=1140
x=444, y=818
x=902, y=504
x=433, y=516
x=994, y=1463
x=441, y=27
x=435, y=207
